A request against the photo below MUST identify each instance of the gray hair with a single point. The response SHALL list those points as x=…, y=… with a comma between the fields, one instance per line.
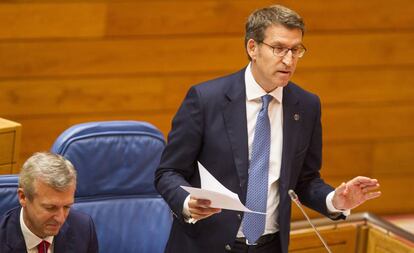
x=261, y=19
x=51, y=169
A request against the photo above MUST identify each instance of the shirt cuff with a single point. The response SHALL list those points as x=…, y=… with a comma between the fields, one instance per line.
x=186, y=212
x=331, y=207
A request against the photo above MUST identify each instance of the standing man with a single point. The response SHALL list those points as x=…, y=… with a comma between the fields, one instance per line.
x=260, y=135
x=44, y=222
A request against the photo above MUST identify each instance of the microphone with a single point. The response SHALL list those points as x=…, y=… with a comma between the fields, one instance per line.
x=295, y=199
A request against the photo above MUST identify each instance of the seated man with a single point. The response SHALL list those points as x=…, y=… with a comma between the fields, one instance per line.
x=45, y=223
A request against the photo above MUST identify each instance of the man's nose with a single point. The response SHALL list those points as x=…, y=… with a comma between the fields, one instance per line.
x=60, y=215
x=288, y=58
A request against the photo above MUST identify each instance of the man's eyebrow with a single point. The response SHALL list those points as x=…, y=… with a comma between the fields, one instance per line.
x=48, y=205
x=278, y=43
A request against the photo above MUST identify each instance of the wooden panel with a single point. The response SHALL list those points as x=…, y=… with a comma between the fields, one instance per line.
x=368, y=123
x=208, y=17
x=57, y=20
x=374, y=159
x=321, y=249
x=90, y=57
x=354, y=50
x=362, y=239
x=338, y=15
x=337, y=157
x=342, y=239
x=8, y=125
x=349, y=87
x=59, y=58
x=90, y=95
x=6, y=169
x=6, y=147
x=151, y=92
x=394, y=158
x=379, y=242
x=195, y=17
x=10, y=133
x=88, y=18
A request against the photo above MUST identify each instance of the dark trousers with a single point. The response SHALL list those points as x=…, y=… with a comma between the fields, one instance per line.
x=270, y=244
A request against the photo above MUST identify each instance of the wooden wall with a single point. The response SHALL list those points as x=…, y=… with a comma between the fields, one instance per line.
x=64, y=62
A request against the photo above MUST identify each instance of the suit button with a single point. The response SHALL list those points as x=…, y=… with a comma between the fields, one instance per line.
x=239, y=216
x=227, y=247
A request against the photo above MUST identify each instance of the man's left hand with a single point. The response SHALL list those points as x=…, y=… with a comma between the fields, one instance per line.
x=355, y=192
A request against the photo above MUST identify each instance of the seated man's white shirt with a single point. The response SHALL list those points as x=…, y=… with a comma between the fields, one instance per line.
x=31, y=239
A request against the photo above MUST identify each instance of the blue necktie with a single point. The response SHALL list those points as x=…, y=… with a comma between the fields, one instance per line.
x=254, y=224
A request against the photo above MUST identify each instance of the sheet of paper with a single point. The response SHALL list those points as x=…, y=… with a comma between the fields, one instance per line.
x=218, y=194
x=209, y=182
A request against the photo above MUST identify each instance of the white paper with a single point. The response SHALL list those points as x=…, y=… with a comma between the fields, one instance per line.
x=218, y=194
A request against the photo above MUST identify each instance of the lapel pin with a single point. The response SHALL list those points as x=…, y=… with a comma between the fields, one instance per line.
x=296, y=117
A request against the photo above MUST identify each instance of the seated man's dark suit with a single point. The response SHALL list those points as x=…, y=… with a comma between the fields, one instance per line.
x=76, y=235
x=211, y=127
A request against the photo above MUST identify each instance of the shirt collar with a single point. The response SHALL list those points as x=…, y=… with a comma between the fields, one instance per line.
x=31, y=239
x=254, y=91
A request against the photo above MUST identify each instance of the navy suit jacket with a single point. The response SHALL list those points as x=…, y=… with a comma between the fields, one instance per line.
x=76, y=235
x=211, y=127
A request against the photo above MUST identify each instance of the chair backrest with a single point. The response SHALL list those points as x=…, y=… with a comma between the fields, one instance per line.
x=8, y=192
x=115, y=162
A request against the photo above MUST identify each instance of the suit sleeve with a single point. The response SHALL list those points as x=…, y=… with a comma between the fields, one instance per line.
x=178, y=161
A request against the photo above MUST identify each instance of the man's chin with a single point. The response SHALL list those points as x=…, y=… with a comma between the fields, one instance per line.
x=282, y=83
x=52, y=230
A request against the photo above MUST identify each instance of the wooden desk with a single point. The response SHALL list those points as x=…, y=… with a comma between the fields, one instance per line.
x=359, y=233
x=10, y=136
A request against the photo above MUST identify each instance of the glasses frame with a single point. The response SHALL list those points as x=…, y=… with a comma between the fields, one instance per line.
x=285, y=51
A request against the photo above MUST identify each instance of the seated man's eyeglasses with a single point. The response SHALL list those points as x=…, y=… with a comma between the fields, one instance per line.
x=297, y=52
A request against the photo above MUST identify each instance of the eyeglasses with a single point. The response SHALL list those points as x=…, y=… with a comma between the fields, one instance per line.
x=297, y=52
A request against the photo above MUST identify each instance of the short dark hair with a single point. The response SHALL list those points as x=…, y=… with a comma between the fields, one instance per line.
x=261, y=19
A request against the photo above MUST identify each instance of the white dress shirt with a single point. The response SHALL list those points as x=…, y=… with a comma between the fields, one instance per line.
x=31, y=239
x=253, y=105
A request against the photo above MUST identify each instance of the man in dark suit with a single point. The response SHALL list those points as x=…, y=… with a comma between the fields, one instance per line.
x=44, y=222
x=260, y=135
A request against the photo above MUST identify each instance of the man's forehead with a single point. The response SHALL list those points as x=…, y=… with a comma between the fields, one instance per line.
x=56, y=200
x=42, y=189
x=283, y=35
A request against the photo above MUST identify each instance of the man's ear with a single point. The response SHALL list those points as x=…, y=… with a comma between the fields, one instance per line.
x=22, y=197
x=251, y=48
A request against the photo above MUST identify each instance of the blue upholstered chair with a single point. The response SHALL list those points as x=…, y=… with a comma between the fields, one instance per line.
x=115, y=161
x=8, y=192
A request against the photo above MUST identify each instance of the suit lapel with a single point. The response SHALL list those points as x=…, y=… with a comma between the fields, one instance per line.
x=234, y=113
x=16, y=240
x=64, y=240
x=291, y=123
